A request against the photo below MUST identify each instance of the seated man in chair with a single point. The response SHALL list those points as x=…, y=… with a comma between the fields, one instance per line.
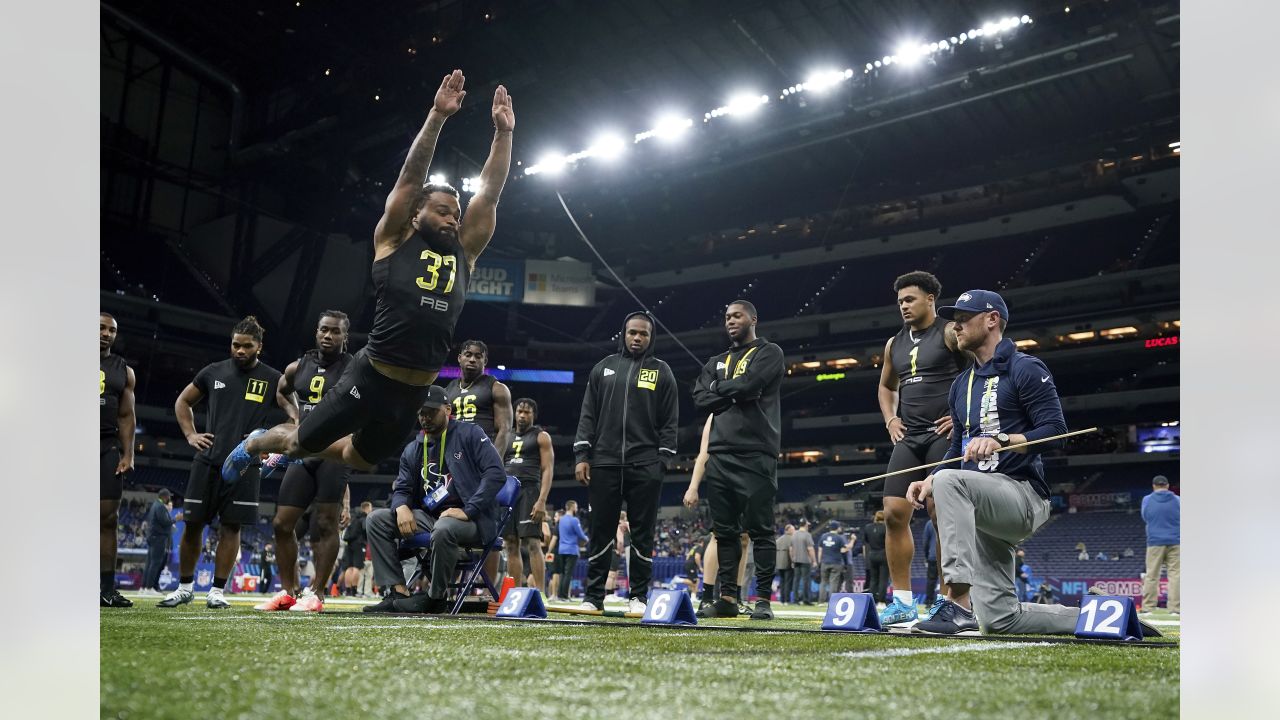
x=447, y=485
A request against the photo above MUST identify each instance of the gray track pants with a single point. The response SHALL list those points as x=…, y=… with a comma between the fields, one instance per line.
x=981, y=518
x=448, y=535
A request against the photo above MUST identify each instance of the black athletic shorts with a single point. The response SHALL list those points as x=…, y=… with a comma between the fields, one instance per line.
x=353, y=556
x=521, y=524
x=920, y=448
x=615, y=561
x=314, y=480
x=208, y=496
x=379, y=411
x=111, y=485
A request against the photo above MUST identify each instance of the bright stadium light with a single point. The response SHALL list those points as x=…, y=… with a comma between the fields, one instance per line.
x=549, y=164
x=471, y=185
x=668, y=127
x=742, y=104
x=607, y=147
x=823, y=80
x=437, y=179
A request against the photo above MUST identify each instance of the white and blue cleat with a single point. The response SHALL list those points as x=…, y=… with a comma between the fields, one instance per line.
x=239, y=459
x=898, y=612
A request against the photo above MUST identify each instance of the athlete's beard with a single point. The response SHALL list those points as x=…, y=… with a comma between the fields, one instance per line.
x=246, y=363
x=470, y=376
x=437, y=239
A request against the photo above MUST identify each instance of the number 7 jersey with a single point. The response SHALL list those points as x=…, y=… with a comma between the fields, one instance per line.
x=419, y=290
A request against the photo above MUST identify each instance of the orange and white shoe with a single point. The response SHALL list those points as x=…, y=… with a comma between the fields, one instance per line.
x=280, y=601
x=308, y=602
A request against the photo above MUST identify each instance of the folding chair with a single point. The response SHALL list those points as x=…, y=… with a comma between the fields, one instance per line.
x=471, y=564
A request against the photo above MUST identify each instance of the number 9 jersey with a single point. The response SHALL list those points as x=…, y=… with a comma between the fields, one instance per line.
x=316, y=376
x=419, y=290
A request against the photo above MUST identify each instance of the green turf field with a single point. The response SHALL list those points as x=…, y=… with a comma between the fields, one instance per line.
x=197, y=663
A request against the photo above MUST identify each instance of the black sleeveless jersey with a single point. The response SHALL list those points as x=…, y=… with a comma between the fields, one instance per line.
x=475, y=403
x=315, y=377
x=524, y=458
x=419, y=290
x=113, y=375
x=926, y=369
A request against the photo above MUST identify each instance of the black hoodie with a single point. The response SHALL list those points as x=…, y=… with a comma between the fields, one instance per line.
x=630, y=411
x=741, y=388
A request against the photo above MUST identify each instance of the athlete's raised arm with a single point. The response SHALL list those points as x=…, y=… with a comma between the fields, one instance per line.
x=482, y=211
x=406, y=197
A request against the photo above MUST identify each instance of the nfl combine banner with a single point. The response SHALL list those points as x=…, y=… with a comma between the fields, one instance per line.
x=497, y=281
x=559, y=282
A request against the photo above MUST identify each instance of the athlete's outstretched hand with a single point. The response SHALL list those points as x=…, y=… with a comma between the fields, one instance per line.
x=344, y=518
x=918, y=491
x=504, y=118
x=200, y=441
x=449, y=96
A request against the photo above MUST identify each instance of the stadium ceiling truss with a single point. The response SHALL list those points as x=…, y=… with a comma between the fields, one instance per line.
x=203, y=147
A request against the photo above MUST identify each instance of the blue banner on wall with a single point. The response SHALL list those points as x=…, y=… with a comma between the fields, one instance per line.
x=497, y=281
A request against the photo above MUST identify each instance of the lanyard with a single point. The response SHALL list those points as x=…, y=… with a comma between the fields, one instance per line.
x=444, y=437
x=968, y=407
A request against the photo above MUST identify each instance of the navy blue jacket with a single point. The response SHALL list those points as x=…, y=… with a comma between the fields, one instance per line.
x=1025, y=402
x=474, y=471
x=159, y=522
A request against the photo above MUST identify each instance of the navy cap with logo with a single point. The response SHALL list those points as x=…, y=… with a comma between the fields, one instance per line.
x=435, y=398
x=976, y=301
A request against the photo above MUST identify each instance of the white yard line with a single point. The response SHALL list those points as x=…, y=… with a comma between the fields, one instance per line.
x=941, y=650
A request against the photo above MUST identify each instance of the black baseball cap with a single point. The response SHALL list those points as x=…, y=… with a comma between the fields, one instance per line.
x=1160, y=480
x=435, y=398
x=164, y=493
x=976, y=301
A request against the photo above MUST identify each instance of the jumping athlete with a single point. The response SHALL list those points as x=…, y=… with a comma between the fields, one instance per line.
x=423, y=258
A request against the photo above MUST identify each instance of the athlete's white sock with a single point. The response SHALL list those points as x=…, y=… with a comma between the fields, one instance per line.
x=189, y=587
x=215, y=590
x=904, y=596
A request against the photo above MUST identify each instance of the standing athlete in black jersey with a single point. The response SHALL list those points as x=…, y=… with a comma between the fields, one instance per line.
x=115, y=446
x=241, y=391
x=312, y=377
x=530, y=460
x=423, y=258
x=920, y=362
x=477, y=397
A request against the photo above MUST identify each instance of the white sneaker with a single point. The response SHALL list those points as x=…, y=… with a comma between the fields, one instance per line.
x=176, y=598
x=147, y=592
x=215, y=599
x=589, y=607
x=636, y=605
